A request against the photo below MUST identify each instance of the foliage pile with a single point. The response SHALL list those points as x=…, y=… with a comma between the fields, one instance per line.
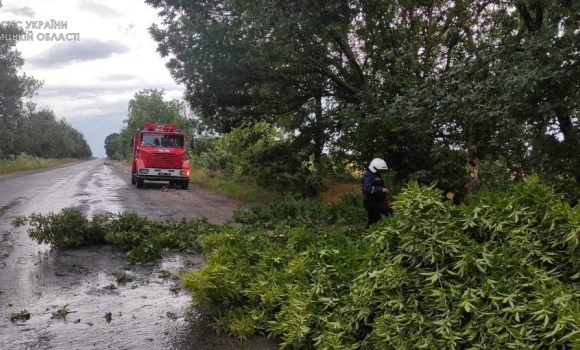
x=501, y=272
x=20, y=316
x=144, y=240
x=68, y=228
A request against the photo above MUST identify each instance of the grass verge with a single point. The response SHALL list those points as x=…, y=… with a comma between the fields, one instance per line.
x=334, y=192
x=245, y=192
x=10, y=166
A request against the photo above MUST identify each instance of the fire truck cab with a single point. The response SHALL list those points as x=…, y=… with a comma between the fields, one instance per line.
x=159, y=154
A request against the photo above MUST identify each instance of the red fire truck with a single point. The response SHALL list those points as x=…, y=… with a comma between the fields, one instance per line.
x=159, y=154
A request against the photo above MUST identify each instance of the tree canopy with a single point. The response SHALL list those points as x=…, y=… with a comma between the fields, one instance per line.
x=147, y=105
x=434, y=86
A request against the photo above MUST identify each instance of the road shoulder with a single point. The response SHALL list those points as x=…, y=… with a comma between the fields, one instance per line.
x=193, y=203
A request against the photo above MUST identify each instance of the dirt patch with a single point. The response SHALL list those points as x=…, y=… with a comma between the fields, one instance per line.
x=193, y=203
x=335, y=190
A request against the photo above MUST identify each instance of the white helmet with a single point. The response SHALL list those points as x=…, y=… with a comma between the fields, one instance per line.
x=377, y=164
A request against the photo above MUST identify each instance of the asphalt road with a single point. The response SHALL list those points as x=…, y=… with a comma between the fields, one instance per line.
x=149, y=312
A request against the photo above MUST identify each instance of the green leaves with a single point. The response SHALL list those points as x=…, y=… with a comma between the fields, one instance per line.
x=144, y=239
x=69, y=228
x=20, y=316
x=148, y=105
x=501, y=272
x=61, y=314
x=264, y=155
x=494, y=274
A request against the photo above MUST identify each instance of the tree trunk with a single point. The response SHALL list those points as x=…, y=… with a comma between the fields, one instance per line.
x=318, y=133
x=570, y=140
x=474, y=182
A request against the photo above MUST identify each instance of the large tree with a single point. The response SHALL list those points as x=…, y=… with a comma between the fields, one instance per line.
x=437, y=86
x=14, y=86
x=24, y=129
x=146, y=106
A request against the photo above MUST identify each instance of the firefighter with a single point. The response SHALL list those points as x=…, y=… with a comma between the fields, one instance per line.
x=374, y=192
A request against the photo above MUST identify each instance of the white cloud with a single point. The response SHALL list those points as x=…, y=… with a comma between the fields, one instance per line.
x=21, y=11
x=98, y=9
x=90, y=82
x=68, y=52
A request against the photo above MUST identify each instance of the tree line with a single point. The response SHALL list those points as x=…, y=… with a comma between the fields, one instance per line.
x=26, y=129
x=444, y=90
x=147, y=105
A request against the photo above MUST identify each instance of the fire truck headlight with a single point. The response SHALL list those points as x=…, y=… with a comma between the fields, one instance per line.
x=143, y=171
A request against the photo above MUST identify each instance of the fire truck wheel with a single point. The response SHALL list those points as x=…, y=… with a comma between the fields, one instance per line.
x=184, y=184
x=140, y=182
x=132, y=179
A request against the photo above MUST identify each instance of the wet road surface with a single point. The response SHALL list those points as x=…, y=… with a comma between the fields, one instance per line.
x=148, y=312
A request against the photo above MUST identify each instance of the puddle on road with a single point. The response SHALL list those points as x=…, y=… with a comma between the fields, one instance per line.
x=101, y=193
x=148, y=312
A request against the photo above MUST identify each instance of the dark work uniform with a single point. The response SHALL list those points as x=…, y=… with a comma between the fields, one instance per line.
x=374, y=198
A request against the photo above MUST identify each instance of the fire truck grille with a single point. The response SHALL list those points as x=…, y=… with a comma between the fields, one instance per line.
x=167, y=161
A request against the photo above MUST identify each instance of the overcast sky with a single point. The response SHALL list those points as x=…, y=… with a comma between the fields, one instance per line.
x=90, y=82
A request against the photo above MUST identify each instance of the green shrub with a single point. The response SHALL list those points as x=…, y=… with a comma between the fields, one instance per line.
x=351, y=199
x=264, y=155
x=293, y=212
x=249, y=279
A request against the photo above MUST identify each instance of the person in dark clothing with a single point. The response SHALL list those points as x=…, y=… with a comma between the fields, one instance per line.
x=374, y=192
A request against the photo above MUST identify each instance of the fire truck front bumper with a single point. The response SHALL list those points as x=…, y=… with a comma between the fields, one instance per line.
x=156, y=174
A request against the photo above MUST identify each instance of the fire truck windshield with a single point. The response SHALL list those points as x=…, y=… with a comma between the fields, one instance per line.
x=151, y=139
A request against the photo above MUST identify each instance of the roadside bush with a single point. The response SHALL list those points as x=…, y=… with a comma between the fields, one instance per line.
x=23, y=156
x=337, y=169
x=351, y=199
x=217, y=159
x=146, y=240
x=203, y=144
x=293, y=212
x=264, y=155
